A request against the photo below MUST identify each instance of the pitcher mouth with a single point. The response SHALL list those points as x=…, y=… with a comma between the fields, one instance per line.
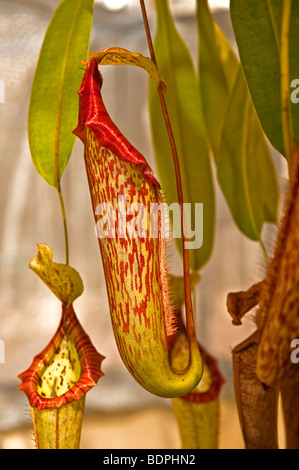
x=66, y=369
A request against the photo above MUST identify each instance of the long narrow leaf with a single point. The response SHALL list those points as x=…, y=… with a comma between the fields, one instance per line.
x=218, y=67
x=185, y=111
x=53, y=109
x=258, y=27
x=245, y=168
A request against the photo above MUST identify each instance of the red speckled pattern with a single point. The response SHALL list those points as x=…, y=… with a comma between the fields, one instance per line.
x=90, y=362
x=134, y=266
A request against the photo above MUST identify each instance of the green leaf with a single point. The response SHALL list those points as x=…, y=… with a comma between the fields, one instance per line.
x=245, y=168
x=218, y=67
x=53, y=110
x=186, y=117
x=63, y=280
x=258, y=27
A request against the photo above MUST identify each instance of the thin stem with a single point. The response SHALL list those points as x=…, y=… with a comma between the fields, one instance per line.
x=186, y=263
x=284, y=76
x=64, y=223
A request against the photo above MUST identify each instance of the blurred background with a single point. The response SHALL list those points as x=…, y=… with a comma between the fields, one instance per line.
x=119, y=414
